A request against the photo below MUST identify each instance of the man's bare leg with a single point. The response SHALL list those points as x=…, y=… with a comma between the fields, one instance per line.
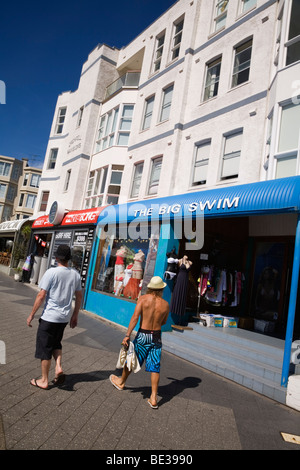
x=43, y=381
x=120, y=381
x=57, y=354
x=154, y=387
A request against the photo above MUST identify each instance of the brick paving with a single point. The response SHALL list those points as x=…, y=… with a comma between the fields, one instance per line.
x=197, y=409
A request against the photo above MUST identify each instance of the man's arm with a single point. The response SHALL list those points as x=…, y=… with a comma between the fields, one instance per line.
x=166, y=315
x=37, y=303
x=133, y=322
x=74, y=318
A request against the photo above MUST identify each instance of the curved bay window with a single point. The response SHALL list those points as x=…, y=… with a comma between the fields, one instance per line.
x=126, y=260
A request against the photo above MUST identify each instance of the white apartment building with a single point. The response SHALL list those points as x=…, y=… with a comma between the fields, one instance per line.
x=206, y=96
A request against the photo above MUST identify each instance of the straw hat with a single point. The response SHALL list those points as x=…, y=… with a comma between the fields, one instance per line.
x=156, y=283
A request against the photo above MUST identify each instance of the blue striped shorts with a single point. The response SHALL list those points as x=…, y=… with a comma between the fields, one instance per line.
x=147, y=345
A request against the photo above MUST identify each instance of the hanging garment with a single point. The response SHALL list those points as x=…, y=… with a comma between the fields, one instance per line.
x=178, y=300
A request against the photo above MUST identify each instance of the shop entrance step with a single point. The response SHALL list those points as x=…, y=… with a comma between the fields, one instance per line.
x=181, y=328
x=248, y=358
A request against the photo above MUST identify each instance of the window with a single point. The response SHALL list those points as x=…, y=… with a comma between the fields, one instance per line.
x=98, y=192
x=176, y=41
x=35, y=181
x=15, y=173
x=4, y=168
x=52, y=159
x=26, y=176
x=3, y=190
x=293, y=44
x=220, y=14
x=125, y=125
x=155, y=175
x=67, y=181
x=110, y=123
x=148, y=112
x=114, y=186
x=212, y=79
x=11, y=192
x=21, y=200
x=44, y=201
x=231, y=156
x=30, y=202
x=137, y=178
x=123, y=263
x=288, y=141
x=80, y=114
x=247, y=5
x=201, y=163
x=242, y=61
x=60, y=120
x=159, y=46
x=166, y=103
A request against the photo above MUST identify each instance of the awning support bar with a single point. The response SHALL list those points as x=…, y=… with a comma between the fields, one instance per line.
x=292, y=309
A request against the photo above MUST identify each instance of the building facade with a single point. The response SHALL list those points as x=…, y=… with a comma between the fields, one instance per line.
x=19, y=185
x=197, y=118
x=177, y=109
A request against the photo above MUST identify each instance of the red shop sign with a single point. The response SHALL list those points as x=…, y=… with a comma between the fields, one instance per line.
x=86, y=216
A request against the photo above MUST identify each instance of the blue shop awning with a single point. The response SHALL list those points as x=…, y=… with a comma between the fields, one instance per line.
x=266, y=197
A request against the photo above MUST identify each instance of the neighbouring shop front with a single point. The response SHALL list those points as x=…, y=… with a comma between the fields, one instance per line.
x=14, y=236
x=75, y=229
x=241, y=250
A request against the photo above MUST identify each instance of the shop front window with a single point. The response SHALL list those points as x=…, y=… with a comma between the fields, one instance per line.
x=125, y=266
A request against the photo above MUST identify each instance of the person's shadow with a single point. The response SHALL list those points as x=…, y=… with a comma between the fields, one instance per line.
x=167, y=392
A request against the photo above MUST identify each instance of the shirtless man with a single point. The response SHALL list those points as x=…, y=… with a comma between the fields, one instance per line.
x=153, y=312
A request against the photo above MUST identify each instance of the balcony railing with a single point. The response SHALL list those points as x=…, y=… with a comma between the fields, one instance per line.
x=129, y=79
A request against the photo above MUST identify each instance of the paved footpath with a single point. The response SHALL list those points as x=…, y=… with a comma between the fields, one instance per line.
x=198, y=410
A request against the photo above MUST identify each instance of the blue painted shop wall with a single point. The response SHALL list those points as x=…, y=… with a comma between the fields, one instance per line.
x=118, y=310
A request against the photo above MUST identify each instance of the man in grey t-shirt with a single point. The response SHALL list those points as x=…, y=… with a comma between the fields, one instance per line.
x=58, y=286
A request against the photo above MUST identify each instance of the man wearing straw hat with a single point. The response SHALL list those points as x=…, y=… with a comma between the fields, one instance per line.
x=153, y=312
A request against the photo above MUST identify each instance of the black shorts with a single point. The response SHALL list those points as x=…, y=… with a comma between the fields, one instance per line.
x=48, y=338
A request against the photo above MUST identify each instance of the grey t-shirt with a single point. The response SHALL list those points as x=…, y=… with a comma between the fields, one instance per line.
x=60, y=284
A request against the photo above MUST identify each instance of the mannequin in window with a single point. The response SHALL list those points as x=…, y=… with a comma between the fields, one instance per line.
x=132, y=289
x=171, y=269
x=119, y=264
x=178, y=300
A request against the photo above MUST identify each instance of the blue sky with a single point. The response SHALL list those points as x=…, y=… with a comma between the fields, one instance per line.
x=42, y=48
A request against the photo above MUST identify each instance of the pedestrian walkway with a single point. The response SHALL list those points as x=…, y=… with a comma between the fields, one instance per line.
x=197, y=409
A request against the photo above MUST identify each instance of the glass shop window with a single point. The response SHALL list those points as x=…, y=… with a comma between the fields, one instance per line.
x=124, y=266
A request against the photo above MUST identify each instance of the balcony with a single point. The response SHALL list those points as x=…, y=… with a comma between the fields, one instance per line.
x=128, y=80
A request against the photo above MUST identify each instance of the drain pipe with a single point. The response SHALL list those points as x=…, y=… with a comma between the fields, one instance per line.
x=292, y=308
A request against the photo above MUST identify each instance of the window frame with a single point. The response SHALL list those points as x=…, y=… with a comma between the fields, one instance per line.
x=147, y=116
x=136, y=179
x=60, y=120
x=209, y=66
x=238, y=50
x=152, y=184
x=52, y=158
x=176, y=40
x=166, y=105
x=158, y=52
x=220, y=17
x=201, y=162
x=43, y=202
x=231, y=155
x=287, y=154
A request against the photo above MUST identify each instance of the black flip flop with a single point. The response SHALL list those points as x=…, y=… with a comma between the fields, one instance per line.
x=59, y=380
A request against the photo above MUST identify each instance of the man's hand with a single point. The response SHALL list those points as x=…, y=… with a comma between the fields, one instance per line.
x=29, y=320
x=125, y=341
x=73, y=321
